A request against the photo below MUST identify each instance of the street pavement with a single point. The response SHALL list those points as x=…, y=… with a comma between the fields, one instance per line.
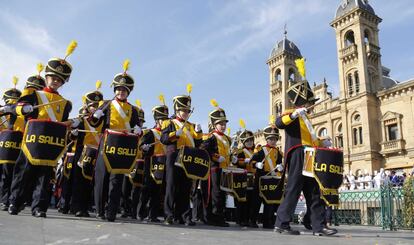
x=67, y=229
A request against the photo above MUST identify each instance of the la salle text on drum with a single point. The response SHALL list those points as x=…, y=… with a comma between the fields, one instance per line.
x=46, y=139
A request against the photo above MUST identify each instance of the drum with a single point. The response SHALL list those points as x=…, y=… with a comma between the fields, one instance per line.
x=136, y=177
x=157, y=168
x=328, y=172
x=44, y=142
x=271, y=188
x=87, y=161
x=194, y=161
x=120, y=151
x=234, y=181
x=308, y=161
x=10, y=144
x=250, y=181
x=68, y=164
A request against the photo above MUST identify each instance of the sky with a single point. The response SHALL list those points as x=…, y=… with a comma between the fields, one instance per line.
x=221, y=47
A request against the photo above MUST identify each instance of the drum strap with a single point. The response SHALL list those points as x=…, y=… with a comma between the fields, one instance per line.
x=247, y=153
x=157, y=137
x=93, y=131
x=309, y=126
x=49, y=109
x=268, y=158
x=224, y=141
x=121, y=112
x=4, y=121
x=187, y=132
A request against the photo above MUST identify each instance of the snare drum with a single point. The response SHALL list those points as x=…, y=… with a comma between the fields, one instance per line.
x=68, y=164
x=234, y=181
x=44, y=142
x=10, y=144
x=250, y=181
x=271, y=188
x=194, y=161
x=87, y=161
x=136, y=177
x=120, y=151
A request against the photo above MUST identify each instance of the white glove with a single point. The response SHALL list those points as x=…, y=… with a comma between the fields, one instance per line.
x=145, y=147
x=234, y=159
x=98, y=114
x=299, y=111
x=279, y=167
x=75, y=122
x=6, y=109
x=179, y=132
x=221, y=159
x=198, y=128
x=246, y=160
x=259, y=165
x=27, y=108
x=137, y=130
x=74, y=132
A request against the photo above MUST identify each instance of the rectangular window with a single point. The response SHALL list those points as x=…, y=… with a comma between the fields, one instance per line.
x=393, y=133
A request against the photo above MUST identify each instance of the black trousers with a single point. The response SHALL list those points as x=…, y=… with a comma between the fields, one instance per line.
x=197, y=200
x=216, y=198
x=150, y=192
x=6, y=180
x=177, y=192
x=67, y=190
x=126, y=202
x=28, y=176
x=247, y=211
x=297, y=183
x=107, y=190
x=81, y=190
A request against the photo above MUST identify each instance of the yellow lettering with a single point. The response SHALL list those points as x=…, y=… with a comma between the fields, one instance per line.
x=110, y=150
x=336, y=169
x=30, y=138
x=187, y=158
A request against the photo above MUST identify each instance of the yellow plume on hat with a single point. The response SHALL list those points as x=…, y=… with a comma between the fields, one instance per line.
x=15, y=80
x=98, y=84
x=71, y=47
x=214, y=103
x=300, y=64
x=242, y=123
x=161, y=98
x=84, y=99
x=228, y=131
x=272, y=119
x=189, y=88
x=126, y=64
x=138, y=103
x=40, y=67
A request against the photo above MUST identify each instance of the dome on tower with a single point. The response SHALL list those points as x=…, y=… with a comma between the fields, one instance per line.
x=349, y=5
x=287, y=46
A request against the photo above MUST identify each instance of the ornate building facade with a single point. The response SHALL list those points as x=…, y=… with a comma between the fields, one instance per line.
x=372, y=120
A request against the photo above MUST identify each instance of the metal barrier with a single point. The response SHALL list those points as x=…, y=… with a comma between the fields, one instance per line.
x=389, y=207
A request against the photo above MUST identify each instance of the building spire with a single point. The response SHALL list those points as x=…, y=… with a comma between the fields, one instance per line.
x=285, y=31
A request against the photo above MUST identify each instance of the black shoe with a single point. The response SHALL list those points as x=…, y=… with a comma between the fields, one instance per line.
x=169, y=221
x=155, y=220
x=325, y=232
x=268, y=227
x=244, y=224
x=100, y=216
x=179, y=221
x=13, y=210
x=219, y=224
x=253, y=225
x=4, y=207
x=39, y=214
x=189, y=223
x=288, y=231
x=82, y=214
x=110, y=216
x=307, y=226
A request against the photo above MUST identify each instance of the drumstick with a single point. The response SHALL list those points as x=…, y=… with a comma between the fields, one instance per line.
x=189, y=115
x=50, y=103
x=88, y=131
x=4, y=121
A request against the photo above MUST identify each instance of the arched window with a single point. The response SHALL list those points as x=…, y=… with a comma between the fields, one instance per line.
x=356, y=82
x=350, y=85
x=339, y=136
x=349, y=38
x=355, y=136
x=292, y=74
x=323, y=132
x=339, y=130
x=366, y=37
x=360, y=135
x=357, y=118
x=278, y=75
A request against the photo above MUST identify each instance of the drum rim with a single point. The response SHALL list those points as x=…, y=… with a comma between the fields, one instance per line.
x=45, y=120
x=10, y=130
x=230, y=170
x=329, y=149
x=91, y=146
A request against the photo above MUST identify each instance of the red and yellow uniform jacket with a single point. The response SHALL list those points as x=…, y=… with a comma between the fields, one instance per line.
x=218, y=144
x=269, y=155
x=189, y=137
x=245, y=153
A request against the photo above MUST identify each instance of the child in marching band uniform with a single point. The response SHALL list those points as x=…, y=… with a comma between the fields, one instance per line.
x=57, y=73
x=218, y=146
x=267, y=160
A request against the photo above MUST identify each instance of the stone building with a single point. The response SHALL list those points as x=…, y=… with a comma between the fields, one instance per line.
x=372, y=120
